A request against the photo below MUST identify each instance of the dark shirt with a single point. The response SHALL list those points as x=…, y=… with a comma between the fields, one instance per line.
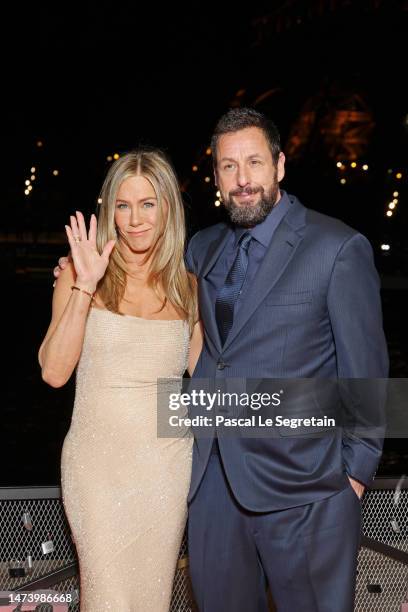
x=262, y=236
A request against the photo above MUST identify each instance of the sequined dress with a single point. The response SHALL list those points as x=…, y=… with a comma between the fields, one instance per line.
x=124, y=489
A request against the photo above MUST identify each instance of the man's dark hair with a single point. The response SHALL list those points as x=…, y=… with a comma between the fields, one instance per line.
x=240, y=118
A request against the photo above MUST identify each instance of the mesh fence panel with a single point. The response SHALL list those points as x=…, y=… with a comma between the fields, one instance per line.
x=381, y=581
x=387, y=522
x=49, y=524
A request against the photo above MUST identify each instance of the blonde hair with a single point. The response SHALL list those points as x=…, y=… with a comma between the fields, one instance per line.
x=167, y=272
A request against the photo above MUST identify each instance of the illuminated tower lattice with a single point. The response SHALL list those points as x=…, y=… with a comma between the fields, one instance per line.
x=341, y=128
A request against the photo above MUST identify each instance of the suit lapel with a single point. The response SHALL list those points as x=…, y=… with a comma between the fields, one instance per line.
x=283, y=245
x=206, y=306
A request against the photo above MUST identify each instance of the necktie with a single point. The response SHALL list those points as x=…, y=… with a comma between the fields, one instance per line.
x=228, y=294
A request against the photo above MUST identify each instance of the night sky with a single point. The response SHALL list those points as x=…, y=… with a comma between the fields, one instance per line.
x=96, y=78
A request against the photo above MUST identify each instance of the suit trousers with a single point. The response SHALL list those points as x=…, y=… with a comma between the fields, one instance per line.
x=307, y=554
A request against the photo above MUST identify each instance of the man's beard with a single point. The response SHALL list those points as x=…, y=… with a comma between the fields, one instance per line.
x=248, y=215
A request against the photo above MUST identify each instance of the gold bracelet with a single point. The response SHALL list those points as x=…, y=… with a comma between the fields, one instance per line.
x=91, y=295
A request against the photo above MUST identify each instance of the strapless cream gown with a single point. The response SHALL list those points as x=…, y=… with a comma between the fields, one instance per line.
x=124, y=489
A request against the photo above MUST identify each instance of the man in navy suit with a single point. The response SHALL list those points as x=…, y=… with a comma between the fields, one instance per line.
x=306, y=304
x=285, y=508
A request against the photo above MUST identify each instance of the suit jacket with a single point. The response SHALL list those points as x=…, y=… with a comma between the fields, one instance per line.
x=313, y=311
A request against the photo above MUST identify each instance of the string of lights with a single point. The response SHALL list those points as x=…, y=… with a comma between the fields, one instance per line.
x=28, y=187
x=28, y=182
x=347, y=171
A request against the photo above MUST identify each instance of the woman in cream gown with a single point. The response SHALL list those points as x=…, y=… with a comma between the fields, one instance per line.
x=124, y=489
